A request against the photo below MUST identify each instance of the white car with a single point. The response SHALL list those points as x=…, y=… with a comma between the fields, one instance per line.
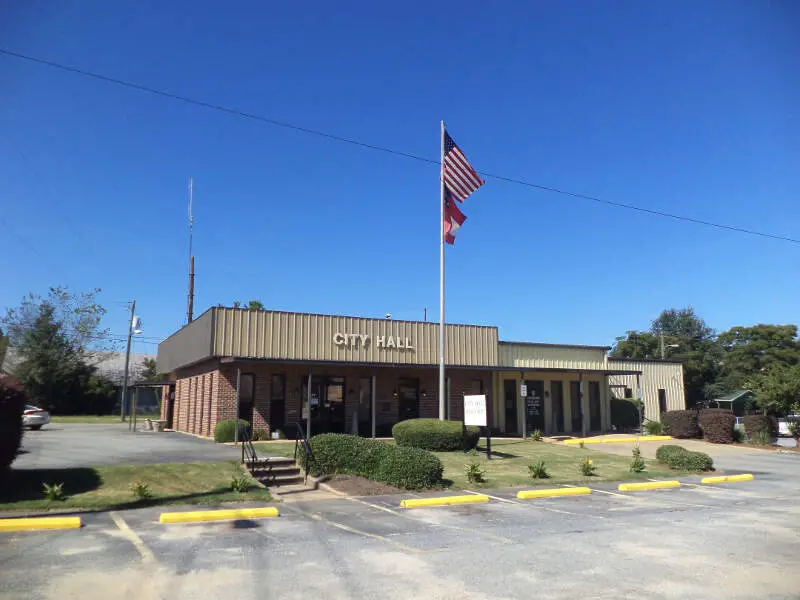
x=34, y=417
x=783, y=425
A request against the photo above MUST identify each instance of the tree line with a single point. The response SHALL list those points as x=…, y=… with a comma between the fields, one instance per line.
x=764, y=359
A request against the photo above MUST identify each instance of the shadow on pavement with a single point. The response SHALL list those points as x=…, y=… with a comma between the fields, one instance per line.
x=26, y=484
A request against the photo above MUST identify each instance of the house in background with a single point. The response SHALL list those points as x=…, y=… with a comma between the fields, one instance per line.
x=739, y=401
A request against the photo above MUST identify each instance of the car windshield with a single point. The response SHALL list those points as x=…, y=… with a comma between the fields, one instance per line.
x=31, y=407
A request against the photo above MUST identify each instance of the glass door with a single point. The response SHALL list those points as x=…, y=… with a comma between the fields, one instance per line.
x=534, y=405
x=365, y=406
x=557, y=401
x=510, y=401
x=575, y=405
x=595, y=422
x=408, y=397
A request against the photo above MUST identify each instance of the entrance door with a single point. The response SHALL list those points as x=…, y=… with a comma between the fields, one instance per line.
x=327, y=404
x=575, y=402
x=557, y=400
x=510, y=400
x=408, y=398
x=534, y=405
x=595, y=422
x=365, y=406
x=334, y=403
x=170, y=406
x=247, y=397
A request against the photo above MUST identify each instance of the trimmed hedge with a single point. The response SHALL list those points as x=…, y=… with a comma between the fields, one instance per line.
x=681, y=424
x=678, y=457
x=409, y=468
x=717, y=425
x=753, y=424
x=624, y=413
x=12, y=403
x=225, y=429
x=435, y=435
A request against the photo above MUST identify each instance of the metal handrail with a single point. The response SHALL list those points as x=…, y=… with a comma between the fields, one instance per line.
x=309, y=455
x=248, y=450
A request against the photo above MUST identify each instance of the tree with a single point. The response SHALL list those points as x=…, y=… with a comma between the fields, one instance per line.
x=682, y=323
x=51, y=336
x=777, y=388
x=751, y=350
x=3, y=347
x=636, y=344
x=255, y=305
x=149, y=370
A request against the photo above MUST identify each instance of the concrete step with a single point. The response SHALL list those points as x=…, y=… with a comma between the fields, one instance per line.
x=273, y=460
x=280, y=480
x=275, y=471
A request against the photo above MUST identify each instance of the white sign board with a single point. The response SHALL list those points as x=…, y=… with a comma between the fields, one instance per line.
x=475, y=410
x=523, y=390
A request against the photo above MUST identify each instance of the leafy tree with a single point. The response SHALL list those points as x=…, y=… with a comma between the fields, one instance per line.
x=636, y=344
x=777, y=388
x=751, y=350
x=682, y=323
x=3, y=347
x=255, y=305
x=149, y=370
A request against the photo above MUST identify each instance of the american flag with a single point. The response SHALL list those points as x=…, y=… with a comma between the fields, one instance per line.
x=453, y=218
x=459, y=176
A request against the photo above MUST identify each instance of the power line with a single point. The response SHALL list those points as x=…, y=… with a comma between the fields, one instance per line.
x=354, y=142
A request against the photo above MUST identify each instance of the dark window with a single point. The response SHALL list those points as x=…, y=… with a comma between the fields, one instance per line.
x=628, y=392
x=576, y=405
x=476, y=386
x=247, y=396
x=534, y=405
x=557, y=400
x=277, y=401
x=408, y=396
x=365, y=406
x=662, y=401
x=595, y=421
x=510, y=399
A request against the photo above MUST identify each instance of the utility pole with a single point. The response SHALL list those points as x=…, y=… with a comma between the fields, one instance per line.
x=661, y=342
x=127, y=360
x=190, y=299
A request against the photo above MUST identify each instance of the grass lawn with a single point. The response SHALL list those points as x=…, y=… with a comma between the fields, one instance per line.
x=95, y=418
x=105, y=488
x=510, y=460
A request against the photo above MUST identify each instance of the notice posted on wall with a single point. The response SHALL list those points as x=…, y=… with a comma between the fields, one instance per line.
x=475, y=410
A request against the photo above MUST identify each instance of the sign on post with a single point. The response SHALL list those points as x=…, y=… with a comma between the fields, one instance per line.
x=475, y=410
x=523, y=390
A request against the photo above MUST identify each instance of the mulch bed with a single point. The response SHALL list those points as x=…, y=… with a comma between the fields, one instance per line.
x=360, y=486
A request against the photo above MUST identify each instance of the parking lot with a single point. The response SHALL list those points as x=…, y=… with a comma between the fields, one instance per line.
x=727, y=541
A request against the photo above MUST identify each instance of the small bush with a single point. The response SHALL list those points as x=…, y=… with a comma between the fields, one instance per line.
x=753, y=424
x=587, y=468
x=582, y=445
x=654, y=428
x=226, y=429
x=624, y=413
x=538, y=470
x=738, y=435
x=12, y=403
x=637, y=464
x=260, y=435
x=53, y=491
x=536, y=435
x=794, y=430
x=717, y=425
x=474, y=472
x=141, y=491
x=762, y=437
x=681, y=424
x=240, y=483
x=435, y=435
x=677, y=457
x=409, y=468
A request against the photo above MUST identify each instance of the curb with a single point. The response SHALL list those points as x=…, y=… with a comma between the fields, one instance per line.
x=649, y=485
x=728, y=478
x=577, y=441
x=553, y=493
x=443, y=501
x=40, y=523
x=199, y=516
x=627, y=440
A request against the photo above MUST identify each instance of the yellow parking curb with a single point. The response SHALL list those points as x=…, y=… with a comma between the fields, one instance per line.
x=553, y=493
x=443, y=501
x=576, y=442
x=199, y=516
x=655, y=438
x=728, y=478
x=648, y=485
x=40, y=523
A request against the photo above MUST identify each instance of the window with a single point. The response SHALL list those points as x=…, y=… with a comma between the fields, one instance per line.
x=247, y=396
x=662, y=401
x=628, y=392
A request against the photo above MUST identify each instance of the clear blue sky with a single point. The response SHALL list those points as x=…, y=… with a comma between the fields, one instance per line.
x=687, y=107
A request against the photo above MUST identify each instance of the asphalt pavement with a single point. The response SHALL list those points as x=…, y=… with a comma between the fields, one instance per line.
x=68, y=445
x=737, y=540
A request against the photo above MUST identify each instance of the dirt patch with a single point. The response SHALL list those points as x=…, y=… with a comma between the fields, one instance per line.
x=354, y=485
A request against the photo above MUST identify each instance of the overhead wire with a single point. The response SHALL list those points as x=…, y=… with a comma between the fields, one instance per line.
x=375, y=147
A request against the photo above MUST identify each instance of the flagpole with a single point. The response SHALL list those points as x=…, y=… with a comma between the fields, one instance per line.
x=441, y=284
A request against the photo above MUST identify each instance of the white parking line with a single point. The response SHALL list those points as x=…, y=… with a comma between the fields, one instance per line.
x=506, y=500
x=130, y=535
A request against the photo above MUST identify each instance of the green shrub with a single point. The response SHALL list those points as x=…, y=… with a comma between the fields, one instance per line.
x=538, y=470
x=12, y=403
x=654, y=428
x=794, y=430
x=435, y=435
x=582, y=445
x=738, y=435
x=536, y=435
x=681, y=424
x=756, y=423
x=717, y=425
x=587, y=467
x=409, y=468
x=141, y=491
x=762, y=437
x=637, y=464
x=240, y=483
x=260, y=435
x=53, y=491
x=474, y=472
x=226, y=429
x=624, y=413
x=677, y=457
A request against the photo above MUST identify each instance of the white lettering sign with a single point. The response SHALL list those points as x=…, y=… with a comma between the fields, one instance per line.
x=361, y=340
x=523, y=390
x=475, y=410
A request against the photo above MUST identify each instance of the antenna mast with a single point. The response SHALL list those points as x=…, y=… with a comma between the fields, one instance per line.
x=190, y=302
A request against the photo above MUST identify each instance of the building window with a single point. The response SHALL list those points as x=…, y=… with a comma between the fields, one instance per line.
x=662, y=401
x=277, y=401
x=628, y=392
x=365, y=406
x=247, y=396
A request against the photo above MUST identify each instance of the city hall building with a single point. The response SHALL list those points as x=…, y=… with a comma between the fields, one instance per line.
x=361, y=376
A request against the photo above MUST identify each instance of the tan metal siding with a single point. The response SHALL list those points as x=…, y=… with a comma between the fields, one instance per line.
x=532, y=356
x=295, y=336
x=188, y=345
x=655, y=376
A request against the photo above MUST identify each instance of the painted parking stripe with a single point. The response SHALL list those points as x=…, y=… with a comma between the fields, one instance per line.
x=133, y=538
x=498, y=498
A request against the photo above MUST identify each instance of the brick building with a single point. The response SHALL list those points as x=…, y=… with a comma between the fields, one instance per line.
x=361, y=376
